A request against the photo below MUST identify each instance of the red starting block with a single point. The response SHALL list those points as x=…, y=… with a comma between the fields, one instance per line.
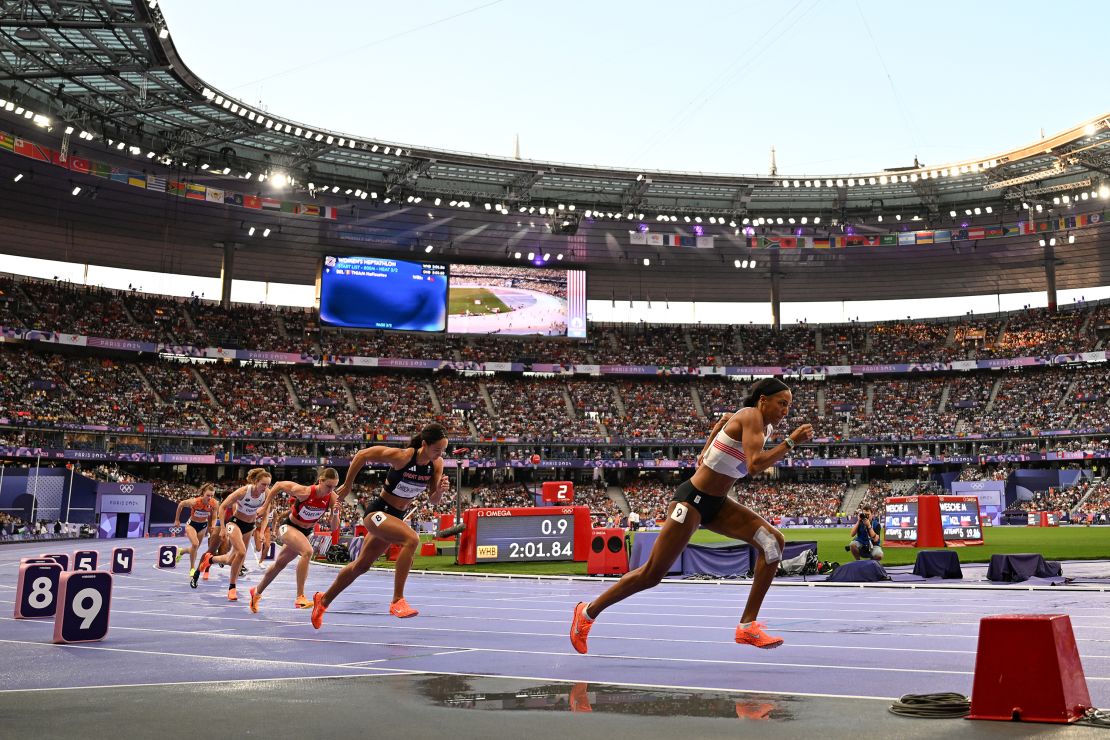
x=1027, y=668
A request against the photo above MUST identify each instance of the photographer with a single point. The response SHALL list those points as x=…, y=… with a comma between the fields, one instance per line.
x=865, y=542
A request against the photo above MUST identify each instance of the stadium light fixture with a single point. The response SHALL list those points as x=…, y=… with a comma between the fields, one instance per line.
x=1052, y=242
x=546, y=256
x=1090, y=129
x=250, y=231
x=736, y=264
x=428, y=249
x=751, y=264
x=516, y=255
x=952, y=214
x=1071, y=238
x=164, y=33
x=1041, y=242
x=647, y=262
x=978, y=211
x=1104, y=192
x=816, y=220
x=76, y=190
x=559, y=256
x=531, y=256
x=988, y=209
x=266, y=232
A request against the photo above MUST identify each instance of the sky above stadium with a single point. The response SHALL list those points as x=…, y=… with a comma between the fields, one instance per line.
x=835, y=86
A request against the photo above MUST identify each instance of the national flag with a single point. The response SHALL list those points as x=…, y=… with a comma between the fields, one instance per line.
x=271, y=204
x=1067, y=222
x=888, y=240
x=212, y=195
x=821, y=243
x=193, y=191
x=79, y=164
x=861, y=240
x=962, y=234
x=906, y=238
x=7, y=141
x=99, y=169
x=329, y=212
x=119, y=175
x=134, y=180
x=153, y=182
x=923, y=237
x=233, y=199
x=176, y=187
x=1027, y=227
x=29, y=149
x=252, y=201
x=1014, y=230
x=310, y=210
x=976, y=233
x=993, y=231
x=1095, y=218
x=288, y=206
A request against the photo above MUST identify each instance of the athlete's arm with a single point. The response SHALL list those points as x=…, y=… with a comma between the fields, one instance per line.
x=377, y=453
x=747, y=423
x=177, y=515
x=231, y=500
x=709, y=440
x=333, y=502
x=439, y=484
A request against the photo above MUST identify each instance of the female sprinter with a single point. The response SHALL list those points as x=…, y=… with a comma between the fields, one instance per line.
x=412, y=470
x=201, y=510
x=734, y=450
x=250, y=504
x=308, y=506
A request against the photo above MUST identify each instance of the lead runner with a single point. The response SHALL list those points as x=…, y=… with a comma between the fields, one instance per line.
x=734, y=450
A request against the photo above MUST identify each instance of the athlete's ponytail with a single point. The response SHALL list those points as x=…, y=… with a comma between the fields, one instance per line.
x=430, y=434
x=765, y=387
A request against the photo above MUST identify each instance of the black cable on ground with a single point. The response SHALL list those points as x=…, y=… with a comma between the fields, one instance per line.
x=947, y=705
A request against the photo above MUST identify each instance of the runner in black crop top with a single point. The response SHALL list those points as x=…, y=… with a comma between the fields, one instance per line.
x=412, y=470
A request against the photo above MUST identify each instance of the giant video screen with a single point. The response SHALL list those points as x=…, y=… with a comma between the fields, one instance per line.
x=491, y=299
x=383, y=293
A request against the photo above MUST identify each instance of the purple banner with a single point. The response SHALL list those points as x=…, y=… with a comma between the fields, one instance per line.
x=284, y=357
x=187, y=396
x=967, y=403
x=124, y=345
x=187, y=459
x=42, y=385
x=753, y=370
x=321, y=401
x=255, y=460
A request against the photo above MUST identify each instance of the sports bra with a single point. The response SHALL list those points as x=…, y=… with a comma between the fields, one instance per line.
x=201, y=511
x=249, y=505
x=410, y=481
x=726, y=455
x=312, y=508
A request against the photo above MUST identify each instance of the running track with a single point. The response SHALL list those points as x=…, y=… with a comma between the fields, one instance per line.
x=842, y=642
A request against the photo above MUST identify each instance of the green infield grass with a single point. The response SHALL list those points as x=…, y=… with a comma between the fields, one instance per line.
x=1054, y=543
x=460, y=300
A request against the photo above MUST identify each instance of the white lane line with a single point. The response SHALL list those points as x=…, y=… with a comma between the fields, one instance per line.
x=207, y=683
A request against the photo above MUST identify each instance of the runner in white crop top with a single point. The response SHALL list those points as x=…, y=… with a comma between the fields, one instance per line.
x=733, y=450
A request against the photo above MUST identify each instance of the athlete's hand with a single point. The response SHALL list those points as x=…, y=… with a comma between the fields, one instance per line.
x=444, y=485
x=698, y=462
x=804, y=433
x=342, y=491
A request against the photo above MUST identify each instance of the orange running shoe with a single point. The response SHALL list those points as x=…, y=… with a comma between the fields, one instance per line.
x=754, y=635
x=231, y=595
x=318, y=609
x=401, y=609
x=205, y=563
x=580, y=698
x=302, y=602
x=255, y=598
x=580, y=627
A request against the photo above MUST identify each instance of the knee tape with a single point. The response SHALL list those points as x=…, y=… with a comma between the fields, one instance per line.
x=769, y=544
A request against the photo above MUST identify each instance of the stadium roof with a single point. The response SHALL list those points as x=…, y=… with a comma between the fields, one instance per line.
x=109, y=69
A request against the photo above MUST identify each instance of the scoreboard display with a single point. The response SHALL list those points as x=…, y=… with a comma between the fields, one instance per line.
x=959, y=517
x=525, y=534
x=932, y=521
x=900, y=522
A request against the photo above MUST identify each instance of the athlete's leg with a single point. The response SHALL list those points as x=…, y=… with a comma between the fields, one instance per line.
x=682, y=521
x=741, y=523
x=372, y=549
x=291, y=541
x=194, y=545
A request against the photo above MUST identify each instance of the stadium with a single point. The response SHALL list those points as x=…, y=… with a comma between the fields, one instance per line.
x=351, y=292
